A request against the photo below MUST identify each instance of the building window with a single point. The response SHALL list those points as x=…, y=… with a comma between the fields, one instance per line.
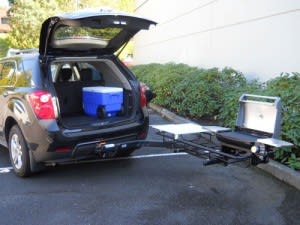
x=4, y=20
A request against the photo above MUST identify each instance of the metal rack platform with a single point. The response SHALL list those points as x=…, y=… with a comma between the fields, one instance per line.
x=197, y=140
x=180, y=137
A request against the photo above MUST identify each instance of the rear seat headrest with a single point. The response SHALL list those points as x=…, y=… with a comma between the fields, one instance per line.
x=65, y=74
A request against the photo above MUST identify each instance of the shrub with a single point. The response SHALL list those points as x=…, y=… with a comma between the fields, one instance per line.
x=197, y=95
x=179, y=87
x=287, y=86
x=228, y=112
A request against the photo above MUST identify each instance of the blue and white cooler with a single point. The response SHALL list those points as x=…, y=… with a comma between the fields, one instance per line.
x=101, y=101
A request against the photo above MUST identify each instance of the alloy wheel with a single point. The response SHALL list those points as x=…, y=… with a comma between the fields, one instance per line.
x=16, y=151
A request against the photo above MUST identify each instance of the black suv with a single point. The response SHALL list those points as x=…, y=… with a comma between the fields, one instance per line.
x=73, y=98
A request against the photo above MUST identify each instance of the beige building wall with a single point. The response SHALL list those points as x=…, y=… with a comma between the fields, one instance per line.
x=260, y=38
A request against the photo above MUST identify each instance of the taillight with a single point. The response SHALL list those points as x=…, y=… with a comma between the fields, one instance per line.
x=143, y=100
x=63, y=149
x=42, y=105
x=142, y=134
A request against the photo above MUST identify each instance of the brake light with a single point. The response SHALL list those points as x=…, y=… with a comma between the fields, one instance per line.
x=42, y=105
x=143, y=100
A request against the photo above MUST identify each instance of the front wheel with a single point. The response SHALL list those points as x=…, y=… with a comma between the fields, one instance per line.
x=18, y=152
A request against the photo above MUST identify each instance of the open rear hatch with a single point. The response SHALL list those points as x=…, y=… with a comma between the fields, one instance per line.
x=83, y=69
x=89, y=32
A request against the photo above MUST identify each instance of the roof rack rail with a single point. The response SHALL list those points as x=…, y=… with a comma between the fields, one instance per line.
x=13, y=51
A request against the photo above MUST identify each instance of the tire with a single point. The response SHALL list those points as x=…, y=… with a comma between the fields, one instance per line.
x=18, y=152
x=101, y=113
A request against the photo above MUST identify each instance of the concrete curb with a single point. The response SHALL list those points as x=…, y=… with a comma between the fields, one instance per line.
x=168, y=114
x=282, y=173
x=274, y=168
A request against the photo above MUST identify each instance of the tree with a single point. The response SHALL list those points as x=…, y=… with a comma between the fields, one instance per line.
x=126, y=5
x=71, y=5
x=68, y=5
x=26, y=18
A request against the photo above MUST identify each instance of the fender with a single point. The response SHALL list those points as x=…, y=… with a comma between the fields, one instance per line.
x=19, y=111
x=26, y=120
x=16, y=113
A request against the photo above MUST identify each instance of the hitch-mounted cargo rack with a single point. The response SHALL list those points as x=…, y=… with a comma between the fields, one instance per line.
x=255, y=137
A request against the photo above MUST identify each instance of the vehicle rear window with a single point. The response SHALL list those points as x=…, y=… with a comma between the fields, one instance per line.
x=78, y=37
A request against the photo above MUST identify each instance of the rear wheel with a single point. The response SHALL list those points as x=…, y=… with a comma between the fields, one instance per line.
x=18, y=152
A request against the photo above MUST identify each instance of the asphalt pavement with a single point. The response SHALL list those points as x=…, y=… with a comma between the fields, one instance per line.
x=155, y=186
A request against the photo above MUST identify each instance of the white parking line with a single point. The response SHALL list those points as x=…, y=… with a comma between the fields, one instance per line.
x=156, y=155
x=130, y=157
x=9, y=169
x=5, y=169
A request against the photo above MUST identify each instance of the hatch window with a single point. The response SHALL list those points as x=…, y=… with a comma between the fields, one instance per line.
x=81, y=37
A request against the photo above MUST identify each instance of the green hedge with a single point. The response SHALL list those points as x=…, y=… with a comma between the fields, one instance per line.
x=213, y=93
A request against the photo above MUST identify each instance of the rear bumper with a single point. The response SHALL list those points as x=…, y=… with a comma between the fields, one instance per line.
x=92, y=149
x=56, y=146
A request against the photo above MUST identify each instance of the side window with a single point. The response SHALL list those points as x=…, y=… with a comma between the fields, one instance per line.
x=1, y=67
x=8, y=74
x=24, y=73
x=53, y=69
